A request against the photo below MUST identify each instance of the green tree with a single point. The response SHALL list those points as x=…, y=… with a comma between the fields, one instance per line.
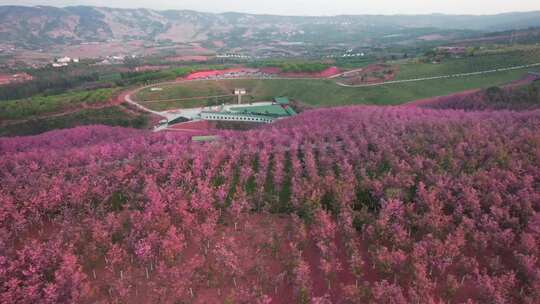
x=532, y=91
x=495, y=95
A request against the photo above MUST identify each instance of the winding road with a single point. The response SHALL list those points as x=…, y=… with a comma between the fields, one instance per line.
x=127, y=96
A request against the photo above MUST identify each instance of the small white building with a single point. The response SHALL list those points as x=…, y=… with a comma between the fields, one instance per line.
x=63, y=60
x=59, y=65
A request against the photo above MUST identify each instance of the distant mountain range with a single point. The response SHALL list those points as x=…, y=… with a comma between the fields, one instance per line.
x=43, y=25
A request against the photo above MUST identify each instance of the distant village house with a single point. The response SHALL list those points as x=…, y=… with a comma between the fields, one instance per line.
x=64, y=61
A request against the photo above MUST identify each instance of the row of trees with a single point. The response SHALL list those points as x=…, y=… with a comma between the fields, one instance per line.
x=526, y=94
x=349, y=205
x=50, y=81
x=521, y=98
x=51, y=84
x=294, y=67
x=130, y=78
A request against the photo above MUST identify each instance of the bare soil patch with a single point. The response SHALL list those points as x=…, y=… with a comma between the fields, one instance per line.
x=375, y=73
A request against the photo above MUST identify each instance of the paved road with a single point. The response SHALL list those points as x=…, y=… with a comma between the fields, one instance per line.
x=440, y=77
x=171, y=115
x=127, y=96
x=128, y=99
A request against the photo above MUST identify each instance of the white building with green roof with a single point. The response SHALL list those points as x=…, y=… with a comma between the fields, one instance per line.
x=258, y=112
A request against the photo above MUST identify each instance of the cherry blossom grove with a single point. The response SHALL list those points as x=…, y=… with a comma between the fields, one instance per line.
x=346, y=205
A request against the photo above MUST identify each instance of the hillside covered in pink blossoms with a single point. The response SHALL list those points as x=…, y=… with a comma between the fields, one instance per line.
x=358, y=204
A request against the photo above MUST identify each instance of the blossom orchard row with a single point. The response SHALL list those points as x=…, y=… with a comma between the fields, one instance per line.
x=346, y=205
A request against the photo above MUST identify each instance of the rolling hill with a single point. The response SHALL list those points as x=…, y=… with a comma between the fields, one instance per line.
x=35, y=27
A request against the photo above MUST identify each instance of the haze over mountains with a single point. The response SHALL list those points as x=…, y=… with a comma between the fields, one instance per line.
x=34, y=27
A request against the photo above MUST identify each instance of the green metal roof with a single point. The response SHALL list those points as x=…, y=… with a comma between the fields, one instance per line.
x=272, y=110
x=282, y=100
x=290, y=110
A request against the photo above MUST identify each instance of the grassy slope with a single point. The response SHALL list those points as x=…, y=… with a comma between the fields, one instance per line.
x=323, y=92
x=326, y=93
x=35, y=113
x=488, y=61
x=41, y=105
x=112, y=116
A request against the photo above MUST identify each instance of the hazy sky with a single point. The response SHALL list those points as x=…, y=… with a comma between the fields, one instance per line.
x=312, y=7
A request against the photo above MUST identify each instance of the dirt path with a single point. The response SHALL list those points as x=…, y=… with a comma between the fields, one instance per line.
x=346, y=73
x=187, y=98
